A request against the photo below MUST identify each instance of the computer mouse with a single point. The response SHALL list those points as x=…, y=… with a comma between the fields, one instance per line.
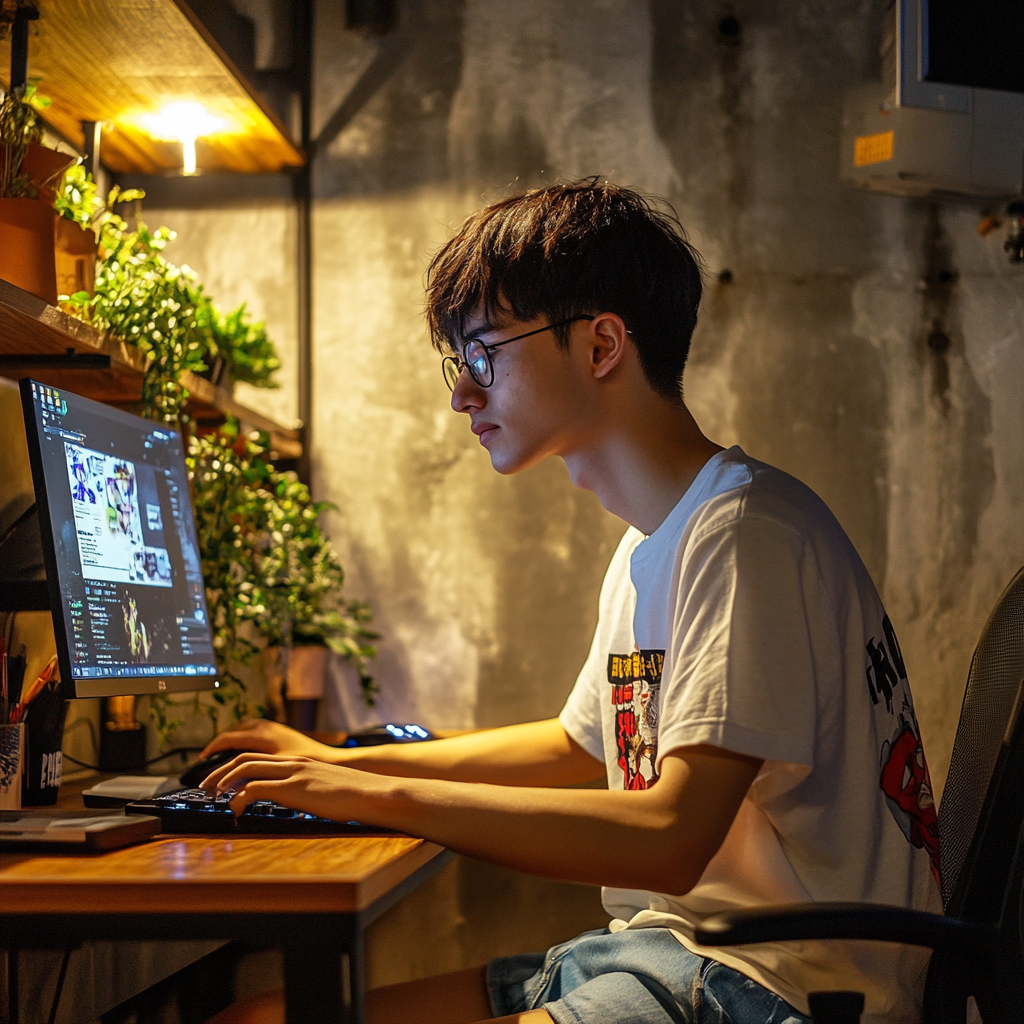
x=194, y=774
x=388, y=732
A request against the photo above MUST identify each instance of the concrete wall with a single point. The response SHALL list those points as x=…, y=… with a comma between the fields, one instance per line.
x=813, y=358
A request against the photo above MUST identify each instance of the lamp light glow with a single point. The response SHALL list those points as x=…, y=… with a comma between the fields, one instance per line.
x=183, y=122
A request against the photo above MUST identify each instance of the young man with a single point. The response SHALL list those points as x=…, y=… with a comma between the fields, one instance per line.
x=745, y=694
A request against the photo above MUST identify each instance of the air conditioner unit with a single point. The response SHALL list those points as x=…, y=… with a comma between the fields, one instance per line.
x=911, y=136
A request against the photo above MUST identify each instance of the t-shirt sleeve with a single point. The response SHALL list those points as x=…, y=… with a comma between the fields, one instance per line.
x=581, y=715
x=743, y=673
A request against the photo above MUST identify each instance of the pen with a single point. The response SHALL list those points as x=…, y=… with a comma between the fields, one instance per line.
x=15, y=676
x=4, y=701
x=33, y=691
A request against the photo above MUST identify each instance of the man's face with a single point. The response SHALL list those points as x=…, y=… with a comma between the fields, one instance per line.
x=537, y=404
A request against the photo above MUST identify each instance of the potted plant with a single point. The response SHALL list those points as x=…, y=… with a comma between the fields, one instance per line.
x=149, y=303
x=79, y=209
x=323, y=621
x=238, y=349
x=271, y=575
x=305, y=615
x=29, y=173
x=249, y=354
x=161, y=309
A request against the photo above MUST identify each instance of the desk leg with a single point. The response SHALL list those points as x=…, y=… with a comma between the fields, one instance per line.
x=312, y=982
x=13, y=996
x=356, y=982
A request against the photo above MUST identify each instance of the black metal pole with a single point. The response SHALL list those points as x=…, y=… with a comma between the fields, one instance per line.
x=92, y=131
x=19, y=46
x=303, y=63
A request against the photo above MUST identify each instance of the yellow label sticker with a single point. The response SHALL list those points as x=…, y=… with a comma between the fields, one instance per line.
x=872, y=149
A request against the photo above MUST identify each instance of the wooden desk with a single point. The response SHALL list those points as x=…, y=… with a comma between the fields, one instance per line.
x=311, y=897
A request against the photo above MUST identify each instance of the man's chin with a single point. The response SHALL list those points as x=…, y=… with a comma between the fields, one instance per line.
x=506, y=463
x=503, y=465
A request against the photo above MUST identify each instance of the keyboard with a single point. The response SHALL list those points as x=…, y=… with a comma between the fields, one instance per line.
x=194, y=811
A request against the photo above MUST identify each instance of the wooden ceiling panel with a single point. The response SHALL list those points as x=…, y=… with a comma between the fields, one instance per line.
x=119, y=60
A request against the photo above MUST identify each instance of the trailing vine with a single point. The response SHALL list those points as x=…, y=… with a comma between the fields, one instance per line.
x=267, y=565
x=272, y=576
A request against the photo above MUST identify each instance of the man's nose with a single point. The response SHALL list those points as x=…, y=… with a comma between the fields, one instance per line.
x=467, y=394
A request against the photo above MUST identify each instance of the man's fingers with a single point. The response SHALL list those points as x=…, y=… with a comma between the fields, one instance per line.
x=251, y=791
x=214, y=780
x=247, y=767
x=242, y=737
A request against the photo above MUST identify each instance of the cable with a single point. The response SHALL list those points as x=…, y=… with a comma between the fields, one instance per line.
x=88, y=723
x=24, y=517
x=145, y=764
x=52, y=1019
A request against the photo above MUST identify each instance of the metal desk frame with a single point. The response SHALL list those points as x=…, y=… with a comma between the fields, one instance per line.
x=312, y=944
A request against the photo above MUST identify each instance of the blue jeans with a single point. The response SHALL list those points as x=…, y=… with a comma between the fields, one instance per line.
x=642, y=976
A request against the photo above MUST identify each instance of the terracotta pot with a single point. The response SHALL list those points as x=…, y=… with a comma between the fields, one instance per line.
x=45, y=167
x=76, y=258
x=307, y=668
x=27, y=248
x=273, y=673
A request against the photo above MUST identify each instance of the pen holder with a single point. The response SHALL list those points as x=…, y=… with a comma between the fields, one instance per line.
x=12, y=760
x=44, y=737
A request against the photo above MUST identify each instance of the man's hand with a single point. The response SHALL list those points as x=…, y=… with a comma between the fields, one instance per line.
x=661, y=838
x=304, y=783
x=266, y=737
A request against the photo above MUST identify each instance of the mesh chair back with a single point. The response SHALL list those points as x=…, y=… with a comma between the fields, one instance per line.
x=980, y=814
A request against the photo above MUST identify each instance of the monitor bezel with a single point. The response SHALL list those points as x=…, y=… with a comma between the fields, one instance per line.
x=72, y=687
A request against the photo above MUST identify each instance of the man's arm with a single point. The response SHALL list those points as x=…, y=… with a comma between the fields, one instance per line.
x=660, y=839
x=531, y=754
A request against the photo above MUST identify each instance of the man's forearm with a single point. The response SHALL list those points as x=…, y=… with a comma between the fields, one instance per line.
x=532, y=754
x=591, y=836
x=661, y=838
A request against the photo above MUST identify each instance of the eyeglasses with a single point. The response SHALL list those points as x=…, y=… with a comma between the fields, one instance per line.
x=476, y=356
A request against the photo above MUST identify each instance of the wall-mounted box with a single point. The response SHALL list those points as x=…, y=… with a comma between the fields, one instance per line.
x=910, y=136
x=911, y=151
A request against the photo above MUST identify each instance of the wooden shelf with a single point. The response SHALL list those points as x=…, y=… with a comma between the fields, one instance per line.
x=28, y=326
x=118, y=60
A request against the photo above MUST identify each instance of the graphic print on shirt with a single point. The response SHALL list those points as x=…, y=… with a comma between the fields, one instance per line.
x=903, y=770
x=636, y=695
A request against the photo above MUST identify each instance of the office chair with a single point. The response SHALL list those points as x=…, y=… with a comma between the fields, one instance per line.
x=977, y=943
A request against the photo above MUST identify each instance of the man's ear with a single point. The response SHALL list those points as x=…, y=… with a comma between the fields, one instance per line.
x=608, y=339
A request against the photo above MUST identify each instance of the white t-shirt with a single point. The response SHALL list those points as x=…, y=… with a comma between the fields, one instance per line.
x=748, y=621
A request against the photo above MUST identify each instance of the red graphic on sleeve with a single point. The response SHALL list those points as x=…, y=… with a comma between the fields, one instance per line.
x=636, y=688
x=904, y=778
x=908, y=790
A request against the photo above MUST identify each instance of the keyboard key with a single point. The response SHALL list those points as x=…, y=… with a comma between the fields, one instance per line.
x=193, y=810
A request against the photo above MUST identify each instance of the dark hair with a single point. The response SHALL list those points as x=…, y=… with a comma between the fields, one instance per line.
x=571, y=249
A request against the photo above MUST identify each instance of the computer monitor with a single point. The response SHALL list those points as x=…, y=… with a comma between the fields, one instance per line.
x=119, y=546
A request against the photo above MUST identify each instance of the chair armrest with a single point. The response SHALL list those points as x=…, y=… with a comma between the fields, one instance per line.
x=870, y=921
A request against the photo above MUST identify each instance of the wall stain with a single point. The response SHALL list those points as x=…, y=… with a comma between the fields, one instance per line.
x=734, y=85
x=958, y=431
x=938, y=316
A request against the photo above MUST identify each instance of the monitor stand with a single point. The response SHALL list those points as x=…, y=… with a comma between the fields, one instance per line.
x=23, y=586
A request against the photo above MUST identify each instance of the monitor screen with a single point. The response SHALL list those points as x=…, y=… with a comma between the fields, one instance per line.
x=119, y=543
x=977, y=43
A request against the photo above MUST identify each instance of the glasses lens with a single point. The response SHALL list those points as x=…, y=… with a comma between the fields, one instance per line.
x=451, y=370
x=478, y=361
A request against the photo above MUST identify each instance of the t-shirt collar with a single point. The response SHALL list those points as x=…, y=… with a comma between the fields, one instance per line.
x=674, y=523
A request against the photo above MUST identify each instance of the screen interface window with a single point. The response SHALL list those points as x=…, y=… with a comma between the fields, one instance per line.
x=127, y=559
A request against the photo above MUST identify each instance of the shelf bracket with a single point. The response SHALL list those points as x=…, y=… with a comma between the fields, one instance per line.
x=70, y=360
